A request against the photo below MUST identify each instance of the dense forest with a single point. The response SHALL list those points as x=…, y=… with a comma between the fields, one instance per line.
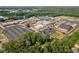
x=42, y=11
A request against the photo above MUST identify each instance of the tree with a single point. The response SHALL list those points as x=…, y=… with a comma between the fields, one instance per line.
x=29, y=42
x=32, y=42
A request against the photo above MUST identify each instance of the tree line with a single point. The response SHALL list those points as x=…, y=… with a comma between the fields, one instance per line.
x=41, y=12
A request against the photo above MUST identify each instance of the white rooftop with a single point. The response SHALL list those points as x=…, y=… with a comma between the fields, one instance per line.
x=40, y=24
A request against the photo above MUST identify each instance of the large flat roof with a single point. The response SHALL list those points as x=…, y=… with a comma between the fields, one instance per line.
x=14, y=32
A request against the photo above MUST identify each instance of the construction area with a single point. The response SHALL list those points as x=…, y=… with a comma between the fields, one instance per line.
x=56, y=27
